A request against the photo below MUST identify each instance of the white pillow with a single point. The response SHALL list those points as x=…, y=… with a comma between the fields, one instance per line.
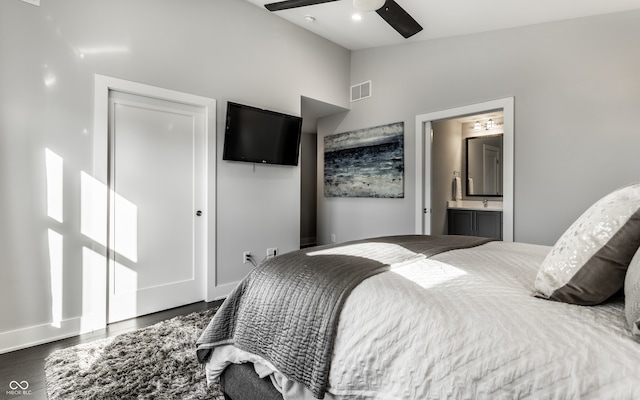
x=587, y=265
x=632, y=294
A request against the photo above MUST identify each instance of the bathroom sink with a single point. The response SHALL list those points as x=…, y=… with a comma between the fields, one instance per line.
x=491, y=205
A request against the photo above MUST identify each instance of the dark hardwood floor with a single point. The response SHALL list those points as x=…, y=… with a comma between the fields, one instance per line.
x=28, y=364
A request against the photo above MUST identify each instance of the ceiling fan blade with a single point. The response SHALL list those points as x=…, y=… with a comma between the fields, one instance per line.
x=399, y=19
x=287, y=4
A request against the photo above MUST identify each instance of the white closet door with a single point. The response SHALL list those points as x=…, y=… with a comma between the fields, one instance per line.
x=157, y=182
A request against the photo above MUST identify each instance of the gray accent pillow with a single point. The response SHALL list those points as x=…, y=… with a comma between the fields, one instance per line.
x=632, y=294
x=587, y=265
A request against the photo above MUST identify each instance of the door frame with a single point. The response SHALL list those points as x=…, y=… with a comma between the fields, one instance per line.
x=102, y=86
x=424, y=137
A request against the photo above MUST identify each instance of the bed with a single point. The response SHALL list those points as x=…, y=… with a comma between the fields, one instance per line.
x=440, y=317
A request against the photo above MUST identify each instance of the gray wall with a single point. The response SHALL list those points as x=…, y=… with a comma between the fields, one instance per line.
x=223, y=49
x=577, y=95
x=446, y=157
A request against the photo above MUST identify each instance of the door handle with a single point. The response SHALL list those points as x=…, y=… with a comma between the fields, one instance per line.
x=199, y=213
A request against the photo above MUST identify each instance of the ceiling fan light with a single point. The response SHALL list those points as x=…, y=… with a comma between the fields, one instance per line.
x=368, y=5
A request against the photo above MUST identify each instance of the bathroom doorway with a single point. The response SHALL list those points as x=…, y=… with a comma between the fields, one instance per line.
x=430, y=211
x=452, y=177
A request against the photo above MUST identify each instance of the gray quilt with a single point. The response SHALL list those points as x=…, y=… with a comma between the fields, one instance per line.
x=287, y=309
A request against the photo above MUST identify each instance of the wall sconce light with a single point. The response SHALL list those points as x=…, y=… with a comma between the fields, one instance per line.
x=477, y=126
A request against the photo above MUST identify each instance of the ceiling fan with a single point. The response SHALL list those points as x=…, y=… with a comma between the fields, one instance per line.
x=389, y=10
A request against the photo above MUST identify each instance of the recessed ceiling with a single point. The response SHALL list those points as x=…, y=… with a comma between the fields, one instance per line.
x=440, y=18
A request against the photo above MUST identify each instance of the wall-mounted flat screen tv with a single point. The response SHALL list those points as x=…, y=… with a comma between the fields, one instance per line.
x=261, y=136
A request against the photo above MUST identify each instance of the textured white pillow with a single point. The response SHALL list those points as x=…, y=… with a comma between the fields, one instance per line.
x=632, y=294
x=587, y=265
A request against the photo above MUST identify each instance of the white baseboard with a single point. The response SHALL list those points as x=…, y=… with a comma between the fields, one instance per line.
x=38, y=334
x=45, y=333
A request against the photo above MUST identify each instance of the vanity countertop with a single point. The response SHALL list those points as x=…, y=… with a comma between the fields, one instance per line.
x=477, y=205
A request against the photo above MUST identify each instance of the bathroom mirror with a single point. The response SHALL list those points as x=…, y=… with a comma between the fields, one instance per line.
x=484, y=166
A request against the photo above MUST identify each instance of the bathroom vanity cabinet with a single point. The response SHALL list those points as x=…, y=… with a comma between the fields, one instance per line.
x=485, y=223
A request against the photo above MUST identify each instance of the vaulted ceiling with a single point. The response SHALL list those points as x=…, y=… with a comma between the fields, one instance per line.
x=439, y=18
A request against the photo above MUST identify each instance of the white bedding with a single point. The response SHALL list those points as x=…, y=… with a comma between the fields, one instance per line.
x=464, y=325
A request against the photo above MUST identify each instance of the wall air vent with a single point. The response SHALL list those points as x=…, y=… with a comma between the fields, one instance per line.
x=361, y=91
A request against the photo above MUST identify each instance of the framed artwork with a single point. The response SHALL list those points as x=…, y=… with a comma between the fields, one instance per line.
x=365, y=163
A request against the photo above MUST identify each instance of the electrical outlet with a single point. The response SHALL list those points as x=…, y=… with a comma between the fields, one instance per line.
x=333, y=238
x=272, y=252
x=246, y=257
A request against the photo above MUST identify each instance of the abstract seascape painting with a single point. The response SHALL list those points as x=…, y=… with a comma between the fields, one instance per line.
x=365, y=163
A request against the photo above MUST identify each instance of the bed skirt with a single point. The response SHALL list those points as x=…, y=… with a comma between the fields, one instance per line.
x=240, y=382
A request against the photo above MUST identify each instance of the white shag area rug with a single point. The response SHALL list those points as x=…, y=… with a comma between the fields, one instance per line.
x=157, y=362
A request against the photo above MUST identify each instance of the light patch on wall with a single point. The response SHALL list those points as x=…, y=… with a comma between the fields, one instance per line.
x=55, y=272
x=82, y=52
x=49, y=79
x=33, y=2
